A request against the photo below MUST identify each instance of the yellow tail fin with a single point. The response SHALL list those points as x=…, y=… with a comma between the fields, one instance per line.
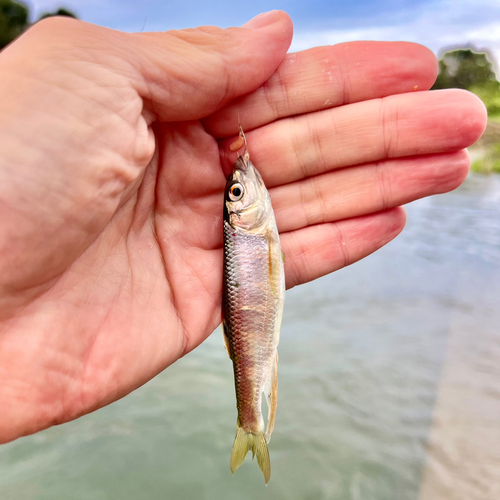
x=256, y=443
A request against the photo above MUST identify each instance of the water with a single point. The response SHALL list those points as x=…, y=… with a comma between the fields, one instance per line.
x=389, y=388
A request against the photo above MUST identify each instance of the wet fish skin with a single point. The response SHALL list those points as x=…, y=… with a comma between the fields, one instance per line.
x=253, y=299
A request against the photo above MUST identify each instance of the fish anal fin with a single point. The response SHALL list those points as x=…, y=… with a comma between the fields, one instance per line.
x=271, y=392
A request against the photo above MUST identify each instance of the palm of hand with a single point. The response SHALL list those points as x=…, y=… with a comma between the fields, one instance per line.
x=144, y=293
x=138, y=282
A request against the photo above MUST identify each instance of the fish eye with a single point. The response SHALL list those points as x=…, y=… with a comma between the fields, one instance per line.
x=236, y=192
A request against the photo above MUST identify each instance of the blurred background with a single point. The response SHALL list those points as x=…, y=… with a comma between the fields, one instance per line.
x=389, y=369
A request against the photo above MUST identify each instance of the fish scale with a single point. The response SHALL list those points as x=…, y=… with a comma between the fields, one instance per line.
x=248, y=329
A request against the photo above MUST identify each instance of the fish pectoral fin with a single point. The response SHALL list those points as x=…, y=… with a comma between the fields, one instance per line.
x=256, y=443
x=226, y=339
x=271, y=392
x=275, y=259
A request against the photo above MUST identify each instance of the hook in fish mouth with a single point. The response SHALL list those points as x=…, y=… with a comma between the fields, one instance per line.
x=241, y=164
x=242, y=160
x=246, y=155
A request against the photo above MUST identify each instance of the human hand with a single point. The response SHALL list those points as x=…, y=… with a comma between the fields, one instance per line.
x=112, y=188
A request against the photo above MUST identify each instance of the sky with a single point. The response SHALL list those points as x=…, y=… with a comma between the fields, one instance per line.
x=438, y=24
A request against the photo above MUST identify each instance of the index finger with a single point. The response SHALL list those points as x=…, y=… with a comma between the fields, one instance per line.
x=326, y=77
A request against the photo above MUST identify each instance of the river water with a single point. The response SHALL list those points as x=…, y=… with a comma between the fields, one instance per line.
x=389, y=388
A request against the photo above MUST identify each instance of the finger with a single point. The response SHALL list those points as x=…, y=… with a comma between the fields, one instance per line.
x=180, y=74
x=191, y=73
x=366, y=189
x=325, y=77
x=396, y=126
x=315, y=251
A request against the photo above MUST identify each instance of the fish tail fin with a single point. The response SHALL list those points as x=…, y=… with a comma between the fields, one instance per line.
x=254, y=442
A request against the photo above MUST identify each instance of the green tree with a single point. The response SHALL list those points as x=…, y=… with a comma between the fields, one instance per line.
x=13, y=21
x=58, y=12
x=467, y=69
x=463, y=68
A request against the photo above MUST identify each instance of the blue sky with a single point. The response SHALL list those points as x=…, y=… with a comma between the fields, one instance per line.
x=434, y=23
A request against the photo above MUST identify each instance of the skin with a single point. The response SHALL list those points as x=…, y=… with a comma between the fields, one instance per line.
x=114, y=153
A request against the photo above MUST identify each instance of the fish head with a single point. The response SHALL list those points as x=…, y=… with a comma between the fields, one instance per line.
x=247, y=204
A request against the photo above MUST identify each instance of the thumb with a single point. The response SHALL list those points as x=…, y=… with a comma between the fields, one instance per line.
x=180, y=74
x=188, y=74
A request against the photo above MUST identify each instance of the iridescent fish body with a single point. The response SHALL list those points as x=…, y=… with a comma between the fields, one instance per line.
x=253, y=298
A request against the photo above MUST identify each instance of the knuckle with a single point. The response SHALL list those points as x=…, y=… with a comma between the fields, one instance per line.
x=389, y=127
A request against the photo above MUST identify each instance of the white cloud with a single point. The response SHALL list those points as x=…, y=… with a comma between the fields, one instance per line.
x=442, y=24
x=489, y=32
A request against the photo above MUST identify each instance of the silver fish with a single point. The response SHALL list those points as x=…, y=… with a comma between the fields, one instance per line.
x=253, y=299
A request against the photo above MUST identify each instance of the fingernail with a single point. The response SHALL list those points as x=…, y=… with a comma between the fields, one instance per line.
x=263, y=20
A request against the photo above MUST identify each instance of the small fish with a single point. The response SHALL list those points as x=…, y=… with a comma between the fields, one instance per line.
x=252, y=308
